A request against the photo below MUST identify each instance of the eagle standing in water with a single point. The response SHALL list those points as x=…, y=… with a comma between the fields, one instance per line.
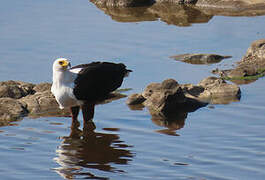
x=85, y=84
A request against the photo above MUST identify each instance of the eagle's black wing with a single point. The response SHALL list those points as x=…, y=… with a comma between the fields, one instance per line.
x=96, y=80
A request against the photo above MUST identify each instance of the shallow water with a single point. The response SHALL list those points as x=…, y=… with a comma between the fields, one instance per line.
x=215, y=142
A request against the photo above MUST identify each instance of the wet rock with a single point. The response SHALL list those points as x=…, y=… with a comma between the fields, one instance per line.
x=11, y=110
x=15, y=89
x=200, y=58
x=251, y=66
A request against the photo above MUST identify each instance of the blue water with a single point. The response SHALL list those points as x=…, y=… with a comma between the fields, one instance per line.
x=219, y=142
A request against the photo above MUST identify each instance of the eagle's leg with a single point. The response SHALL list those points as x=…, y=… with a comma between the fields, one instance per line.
x=74, y=112
x=88, y=111
x=88, y=114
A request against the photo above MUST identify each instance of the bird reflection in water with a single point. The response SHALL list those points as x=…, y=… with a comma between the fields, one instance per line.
x=85, y=151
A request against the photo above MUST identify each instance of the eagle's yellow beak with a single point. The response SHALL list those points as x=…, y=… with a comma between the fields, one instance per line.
x=64, y=64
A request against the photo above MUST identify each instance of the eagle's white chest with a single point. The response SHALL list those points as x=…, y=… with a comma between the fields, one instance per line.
x=65, y=97
x=62, y=89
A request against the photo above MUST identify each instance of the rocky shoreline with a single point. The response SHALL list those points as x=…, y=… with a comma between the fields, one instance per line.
x=166, y=100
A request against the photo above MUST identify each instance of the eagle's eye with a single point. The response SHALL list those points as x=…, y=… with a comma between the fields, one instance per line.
x=61, y=62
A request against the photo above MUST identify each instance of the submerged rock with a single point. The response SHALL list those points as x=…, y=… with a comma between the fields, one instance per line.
x=200, y=58
x=250, y=67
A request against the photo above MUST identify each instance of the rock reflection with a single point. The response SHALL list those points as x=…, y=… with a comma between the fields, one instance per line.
x=84, y=151
x=172, y=122
x=170, y=13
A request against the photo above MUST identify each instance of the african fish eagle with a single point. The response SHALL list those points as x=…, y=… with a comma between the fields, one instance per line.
x=85, y=84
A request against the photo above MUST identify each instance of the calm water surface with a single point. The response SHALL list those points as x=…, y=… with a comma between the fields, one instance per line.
x=215, y=142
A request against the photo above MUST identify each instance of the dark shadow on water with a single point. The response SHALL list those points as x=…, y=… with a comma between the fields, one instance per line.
x=84, y=152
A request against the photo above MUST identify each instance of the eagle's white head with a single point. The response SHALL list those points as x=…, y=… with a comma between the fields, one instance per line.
x=61, y=64
x=63, y=83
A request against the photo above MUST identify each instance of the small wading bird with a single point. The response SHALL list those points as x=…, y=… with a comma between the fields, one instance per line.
x=85, y=84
